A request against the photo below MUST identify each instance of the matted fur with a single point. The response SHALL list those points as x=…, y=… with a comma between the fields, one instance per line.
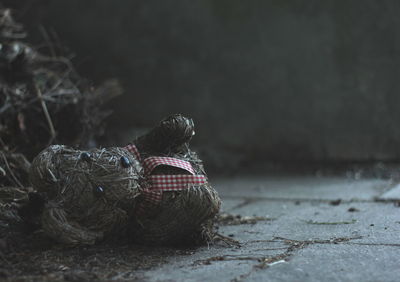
x=77, y=212
x=181, y=217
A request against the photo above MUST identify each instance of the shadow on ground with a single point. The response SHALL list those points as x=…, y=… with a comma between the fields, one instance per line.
x=289, y=228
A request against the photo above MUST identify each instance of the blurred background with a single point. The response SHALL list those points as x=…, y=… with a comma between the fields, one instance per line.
x=279, y=83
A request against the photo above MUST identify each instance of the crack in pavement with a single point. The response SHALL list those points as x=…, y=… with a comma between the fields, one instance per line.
x=250, y=200
x=258, y=260
x=375, y=244
x=267, y=261
x=246, y=202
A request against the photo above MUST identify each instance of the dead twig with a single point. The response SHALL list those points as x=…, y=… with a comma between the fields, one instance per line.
x=48, y=41
x=47, y=115
x=330, y=223
x=10, y=171
x=228, y=241
x=3, y=172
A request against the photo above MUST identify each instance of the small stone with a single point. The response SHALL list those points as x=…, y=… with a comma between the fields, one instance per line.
x=335, y=202
x=353, y=209
x=125, y=162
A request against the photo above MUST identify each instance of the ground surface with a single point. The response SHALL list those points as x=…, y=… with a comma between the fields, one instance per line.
x=289, y=229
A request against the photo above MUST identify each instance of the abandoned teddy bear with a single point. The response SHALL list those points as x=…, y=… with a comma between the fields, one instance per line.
x=155, y=189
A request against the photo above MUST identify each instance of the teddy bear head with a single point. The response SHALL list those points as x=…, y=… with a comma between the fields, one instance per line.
x=94, y=189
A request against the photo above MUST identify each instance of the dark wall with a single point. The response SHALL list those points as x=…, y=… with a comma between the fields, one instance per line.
x=267, y=80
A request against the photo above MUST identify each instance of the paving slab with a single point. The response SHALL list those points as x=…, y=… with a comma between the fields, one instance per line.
x=335, y=262
x=215, y=264
x=303, y=233
x=392, y=194
x=302, y=187
x=230, y=204
x=373, y=222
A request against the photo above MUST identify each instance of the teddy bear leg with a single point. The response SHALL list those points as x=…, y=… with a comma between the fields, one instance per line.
x=184, y=217
x=171, y=135
x=55, y=224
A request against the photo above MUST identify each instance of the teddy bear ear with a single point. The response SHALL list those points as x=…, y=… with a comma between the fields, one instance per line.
x=178, y=128
x=168, y=136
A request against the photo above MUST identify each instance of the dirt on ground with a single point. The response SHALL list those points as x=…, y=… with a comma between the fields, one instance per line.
x=44, y=101
x=28, y=255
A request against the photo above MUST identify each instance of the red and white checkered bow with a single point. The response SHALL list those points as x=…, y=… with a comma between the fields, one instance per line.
x=152, y=195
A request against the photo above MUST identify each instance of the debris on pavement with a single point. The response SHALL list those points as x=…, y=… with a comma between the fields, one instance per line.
x=352, y=209
x=330, y=223
x=230, y=219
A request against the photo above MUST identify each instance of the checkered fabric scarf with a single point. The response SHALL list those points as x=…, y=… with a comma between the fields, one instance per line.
x=152, y=194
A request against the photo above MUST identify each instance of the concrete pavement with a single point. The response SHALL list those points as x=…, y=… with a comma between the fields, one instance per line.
x=308, y=229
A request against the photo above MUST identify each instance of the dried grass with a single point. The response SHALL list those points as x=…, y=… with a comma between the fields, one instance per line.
x=72, y=183
x=183, y=217
x=42, y=100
